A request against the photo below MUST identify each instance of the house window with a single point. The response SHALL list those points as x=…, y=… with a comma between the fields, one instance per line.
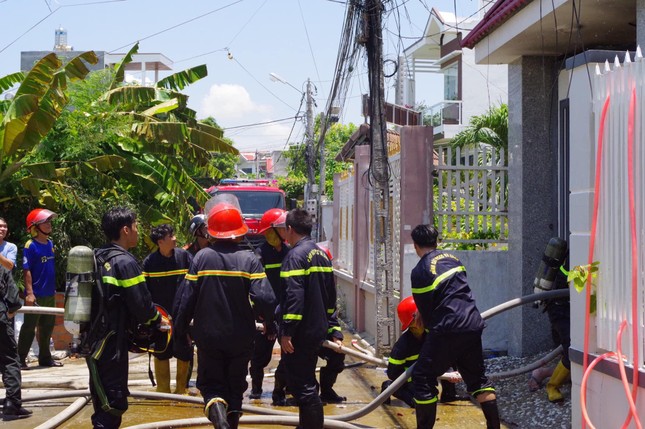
x=451, y=82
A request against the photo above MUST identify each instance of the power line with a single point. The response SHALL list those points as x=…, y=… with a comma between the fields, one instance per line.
x=257, y=124
x=176, y=25
x=260, y=83
x=302, y=17
x=53, y=12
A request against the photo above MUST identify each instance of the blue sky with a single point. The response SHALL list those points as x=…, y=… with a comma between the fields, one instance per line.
x=295, y=39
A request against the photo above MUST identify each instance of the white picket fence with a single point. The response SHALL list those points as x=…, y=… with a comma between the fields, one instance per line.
x=613, y=247
x=471, y=199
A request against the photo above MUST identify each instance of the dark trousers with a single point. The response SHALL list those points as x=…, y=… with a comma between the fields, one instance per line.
x=439, y=353
x=560, y=318
x=9, y=363
x=300, y=367
x=221, y=373
x=45, y=324
x=108, y=383
x=262, y=352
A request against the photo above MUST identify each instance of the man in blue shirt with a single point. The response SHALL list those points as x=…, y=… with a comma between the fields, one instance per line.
x=8, y=251
x=40, y=287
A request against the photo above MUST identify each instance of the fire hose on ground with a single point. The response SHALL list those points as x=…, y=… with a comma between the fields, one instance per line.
x=272, y=416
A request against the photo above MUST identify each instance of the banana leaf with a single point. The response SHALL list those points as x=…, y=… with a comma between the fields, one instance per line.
x=182, y=79
x=8, y=81
x=119, y=68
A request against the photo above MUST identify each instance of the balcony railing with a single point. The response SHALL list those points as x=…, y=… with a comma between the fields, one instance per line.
x=447, y=112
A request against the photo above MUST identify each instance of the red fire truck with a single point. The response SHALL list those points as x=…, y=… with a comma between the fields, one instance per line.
x=255, y=197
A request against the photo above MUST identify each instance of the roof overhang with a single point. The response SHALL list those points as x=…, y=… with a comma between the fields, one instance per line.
x=152, y=61
x=515, y=28
x=440, y=25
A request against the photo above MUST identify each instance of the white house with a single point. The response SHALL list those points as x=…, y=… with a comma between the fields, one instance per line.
x=469, y=89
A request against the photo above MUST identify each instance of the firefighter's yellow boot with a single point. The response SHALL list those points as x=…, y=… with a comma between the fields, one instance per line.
x=162, y=374
x=560, y=375
x=183, y=367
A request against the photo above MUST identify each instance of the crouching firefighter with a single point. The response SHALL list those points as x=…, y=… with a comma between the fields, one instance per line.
x=120, y=300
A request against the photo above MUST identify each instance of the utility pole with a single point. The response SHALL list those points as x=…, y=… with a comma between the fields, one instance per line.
x=379, y=173
x=310, y=157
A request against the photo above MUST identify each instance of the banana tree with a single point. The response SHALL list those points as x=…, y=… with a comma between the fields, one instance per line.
x=146, y=143
x=35, y=107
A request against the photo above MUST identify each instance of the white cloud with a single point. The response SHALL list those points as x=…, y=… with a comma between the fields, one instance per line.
x=232, y=106
x=229, y=104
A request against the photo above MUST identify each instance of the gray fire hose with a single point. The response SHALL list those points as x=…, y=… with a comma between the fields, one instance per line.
x=66, y=414
x=287, y=418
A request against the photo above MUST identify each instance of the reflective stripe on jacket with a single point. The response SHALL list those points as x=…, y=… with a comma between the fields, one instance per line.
x=309, y=292
x=442, y=294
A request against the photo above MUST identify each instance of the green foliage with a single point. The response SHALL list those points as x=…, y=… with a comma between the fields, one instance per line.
x=293, y=186
x=490, y=128
x=335, y=138
x=462, y=227
x=116, y=145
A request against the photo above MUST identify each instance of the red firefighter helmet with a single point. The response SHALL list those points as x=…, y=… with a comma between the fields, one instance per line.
x=38, y=216
x=280, y=222
x=268, y=218
x=406, y=310
x=225, y=221
x=326, y=250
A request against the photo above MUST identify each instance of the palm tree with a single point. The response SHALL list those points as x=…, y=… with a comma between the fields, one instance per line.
x=491, y=128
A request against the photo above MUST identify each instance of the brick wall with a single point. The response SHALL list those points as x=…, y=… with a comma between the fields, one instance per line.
x=61, y=337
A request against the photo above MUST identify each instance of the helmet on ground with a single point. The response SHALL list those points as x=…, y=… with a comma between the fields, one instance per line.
x=38, y=216
x=225, y=221
x=268, y=218
x=406, y=310
x=195, y=223
x=280, y=222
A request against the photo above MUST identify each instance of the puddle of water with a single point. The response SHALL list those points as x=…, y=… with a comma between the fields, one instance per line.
x=359, y=384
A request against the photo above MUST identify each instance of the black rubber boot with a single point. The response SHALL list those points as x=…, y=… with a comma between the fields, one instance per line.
x=233, y=419
x=491, y=414
x=311, y=417
x=256, y=389
x=217, y=415
x=384, y=386
x=448, y=392
x=278, y=395
x=13, y=411
x=327, y=393
x=426, y=415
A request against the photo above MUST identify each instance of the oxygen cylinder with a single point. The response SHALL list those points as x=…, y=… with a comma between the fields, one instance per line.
x=78, y=289
x=552, y=259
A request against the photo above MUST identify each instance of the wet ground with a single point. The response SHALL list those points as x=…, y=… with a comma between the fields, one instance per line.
x=360, y=384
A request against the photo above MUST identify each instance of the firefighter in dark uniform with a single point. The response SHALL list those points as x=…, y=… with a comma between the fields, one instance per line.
x=121, y=306
x=225, y=289
x=271, y=253
x=164, y=271
x=309, y=293
x=553, y=267
x=335, y=358
x=454, y=328
x=9, y=360
x=405, y=353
